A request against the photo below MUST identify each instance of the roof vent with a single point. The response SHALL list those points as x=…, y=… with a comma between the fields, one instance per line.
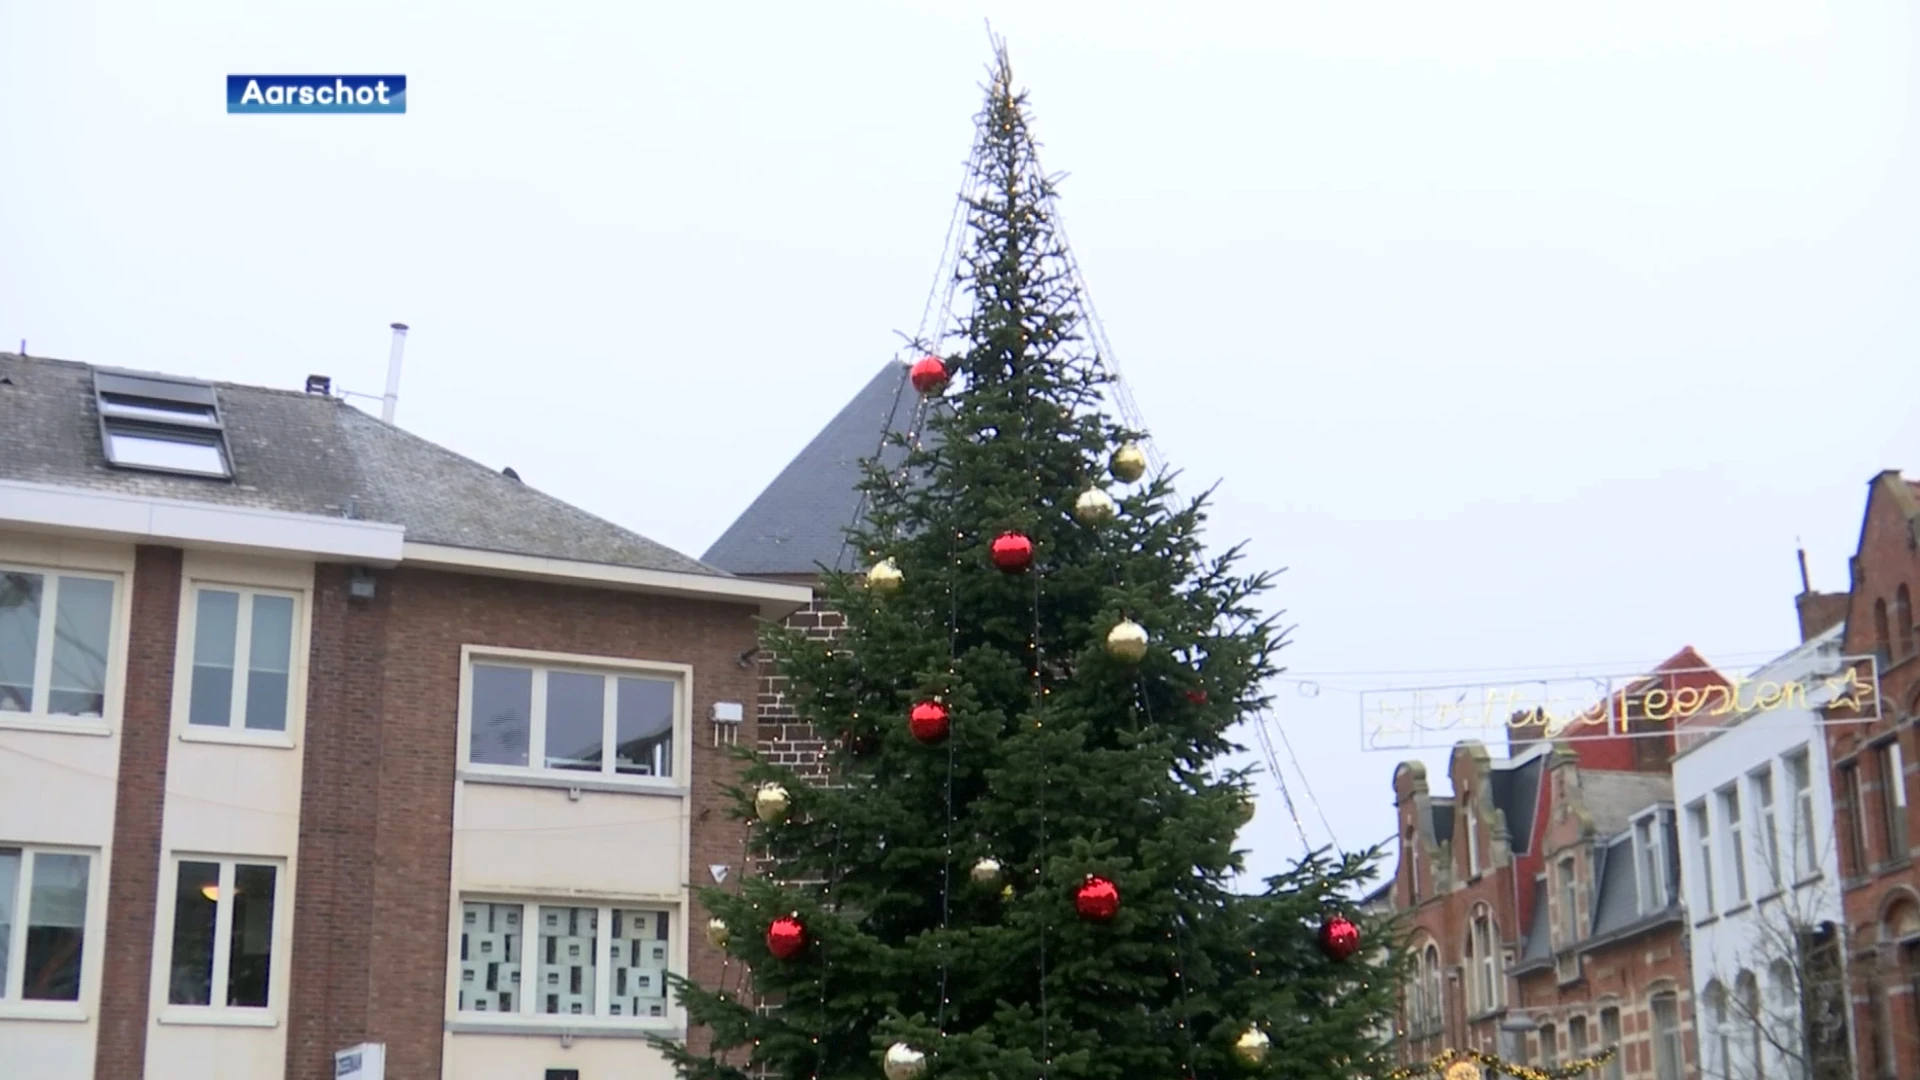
x=510, y=474
x=319, y=384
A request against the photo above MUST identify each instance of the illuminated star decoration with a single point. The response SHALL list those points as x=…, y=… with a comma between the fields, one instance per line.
x=1857, y=690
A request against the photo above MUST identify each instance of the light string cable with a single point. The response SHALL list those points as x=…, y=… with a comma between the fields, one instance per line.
x=1305, y=783
x=1280, y=780
x=1039, y=722
x=946, y=861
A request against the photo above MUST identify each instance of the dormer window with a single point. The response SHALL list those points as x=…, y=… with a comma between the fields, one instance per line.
x=1473, y=836
x=160, y=424
x=1650, y=861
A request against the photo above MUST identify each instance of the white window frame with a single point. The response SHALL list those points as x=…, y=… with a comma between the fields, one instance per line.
x=1616, y=1066
x=1436, y=1000
x=216, y=1012
x=1650, y=862
x=1806, y=839
x=1483, y=957
x=92, y=936
x=528, y=998
x=236, y=729
x=1763, y=798
x=535, y=772
x=1700, y=822
x=1733, y=840
x=1472, y=821
x=1567, y=885
x=37, y=717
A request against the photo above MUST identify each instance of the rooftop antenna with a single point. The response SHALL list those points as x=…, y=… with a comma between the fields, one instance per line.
x=392, y=398
x=1806, y=584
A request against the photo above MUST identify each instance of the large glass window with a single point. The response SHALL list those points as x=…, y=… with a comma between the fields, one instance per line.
x=1669, y=1058
x=599, y=963
x=221, y=948
x=570, y=721
x=43, y=923
x=1806, y=843
x=242, y=659
x=56, y=632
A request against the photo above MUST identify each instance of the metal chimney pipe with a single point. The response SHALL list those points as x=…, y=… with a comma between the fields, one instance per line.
x=392, y=398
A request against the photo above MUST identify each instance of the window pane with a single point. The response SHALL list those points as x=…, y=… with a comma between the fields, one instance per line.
x=250, y=943
x=491, y=939
x=644, y=727
x=174, y=412
x=82, y=620
x=269, y=652
x=638, y=967
x=9, y=887
x=159, y=452
x=56, y=925
x=190, y=979
x=215, y=626
x=576, y=720
x=502, y=715
x=19, y=638
x=567, y=940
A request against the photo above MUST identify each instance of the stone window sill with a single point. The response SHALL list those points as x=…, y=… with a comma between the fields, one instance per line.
x=63, y=1011
x=272, y=740
x=190, y=1016
x=588, y=1029
x=74, y=725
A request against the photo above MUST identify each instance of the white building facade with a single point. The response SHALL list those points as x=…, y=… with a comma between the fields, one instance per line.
x=1760, y=876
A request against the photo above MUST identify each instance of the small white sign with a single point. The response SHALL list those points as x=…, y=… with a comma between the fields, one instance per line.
x=368, y=1061
x=719, y=872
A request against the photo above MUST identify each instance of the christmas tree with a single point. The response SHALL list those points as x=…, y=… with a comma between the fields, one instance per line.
x=1024, y=865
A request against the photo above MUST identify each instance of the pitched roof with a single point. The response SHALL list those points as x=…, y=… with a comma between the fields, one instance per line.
x=1539, y=943
x=1617, y=887
x=312, y=454
x=799, y=523
x=1613, y=798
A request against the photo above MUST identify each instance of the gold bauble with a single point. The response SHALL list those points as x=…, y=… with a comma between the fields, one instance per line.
x=884, y=577
x=717, y=933
x=1094, y=506
x=985, y=872
x=1464, y=1070
x=1245, y=810
x=771, y=802
x=1006, y=893
x=1129, y=463
x=1250, y=1049
x=1127, y=641
x=903, y=1062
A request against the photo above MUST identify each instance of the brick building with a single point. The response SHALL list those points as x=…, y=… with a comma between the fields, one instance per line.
x=1873, y=762
x=1543, y=897
x=314, y=733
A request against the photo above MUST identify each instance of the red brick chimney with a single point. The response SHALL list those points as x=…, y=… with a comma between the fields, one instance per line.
x=1819, y=612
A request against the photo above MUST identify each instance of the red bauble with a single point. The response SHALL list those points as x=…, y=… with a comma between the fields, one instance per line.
x=1012, y=552
x=1198, y=697
x=929, y=721
x=786, y=937
x=929, y=375
x=1339, y=937
x=1097, y=899
x=860, y=743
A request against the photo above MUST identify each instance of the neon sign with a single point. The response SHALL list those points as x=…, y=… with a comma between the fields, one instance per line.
x=1638, y=705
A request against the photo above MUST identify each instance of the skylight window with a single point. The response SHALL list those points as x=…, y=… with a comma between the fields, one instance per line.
x=165, y=425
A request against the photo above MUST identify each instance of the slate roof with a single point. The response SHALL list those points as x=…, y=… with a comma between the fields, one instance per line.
x=1613, y=798
x=1539, y=943
x=799, y=523
x=312, y=454
x=1618, y=887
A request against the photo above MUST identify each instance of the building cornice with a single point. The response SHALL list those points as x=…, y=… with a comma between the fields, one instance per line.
x=775, y=600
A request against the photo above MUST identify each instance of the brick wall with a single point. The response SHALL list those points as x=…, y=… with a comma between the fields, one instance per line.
x=133, y=882
x=395, y=739
x=784, y=738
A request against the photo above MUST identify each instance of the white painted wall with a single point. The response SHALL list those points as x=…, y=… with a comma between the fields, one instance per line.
x=58, y=779
x=1732, y=936
x=230, y=796
x=545, y=844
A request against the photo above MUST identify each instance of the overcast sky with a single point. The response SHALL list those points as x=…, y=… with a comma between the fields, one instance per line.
x=1526, y=335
